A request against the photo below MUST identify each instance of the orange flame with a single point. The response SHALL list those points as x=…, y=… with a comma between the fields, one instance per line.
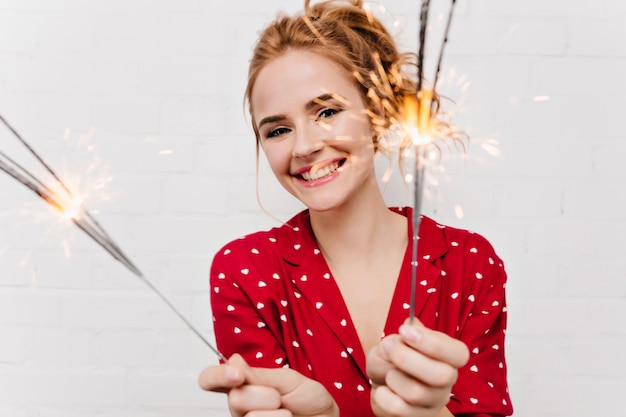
x=418, y=117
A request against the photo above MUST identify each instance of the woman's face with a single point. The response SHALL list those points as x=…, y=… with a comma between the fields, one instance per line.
x=314, y=130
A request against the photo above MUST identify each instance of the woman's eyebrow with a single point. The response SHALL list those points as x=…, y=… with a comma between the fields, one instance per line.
x=271, y=119
x=324, y=98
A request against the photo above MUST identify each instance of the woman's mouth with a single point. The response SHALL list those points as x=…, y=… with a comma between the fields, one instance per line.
x=319, y=171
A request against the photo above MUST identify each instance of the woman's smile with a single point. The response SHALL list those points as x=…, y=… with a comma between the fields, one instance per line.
x=320, y=173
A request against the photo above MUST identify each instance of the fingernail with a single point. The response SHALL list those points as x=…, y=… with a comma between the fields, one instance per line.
x=410, y=334
x=387, y=345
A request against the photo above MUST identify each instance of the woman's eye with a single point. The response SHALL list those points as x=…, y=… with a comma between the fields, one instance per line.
x=277, y=132
x=327, y=112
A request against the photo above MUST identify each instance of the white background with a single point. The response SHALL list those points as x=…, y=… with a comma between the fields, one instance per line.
x=138, y=104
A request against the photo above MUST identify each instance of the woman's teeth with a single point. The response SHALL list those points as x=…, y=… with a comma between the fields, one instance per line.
x=320, y=173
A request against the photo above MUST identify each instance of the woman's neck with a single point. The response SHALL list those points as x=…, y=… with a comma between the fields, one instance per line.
x=362, y=227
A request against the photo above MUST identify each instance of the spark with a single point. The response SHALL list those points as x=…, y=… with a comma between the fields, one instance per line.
x=541, y=98
x=431, y=180
x=324, y=126
x=69, y=214
x=66, y=249
x=418, y=117
x=71, y=210
x=491, y=147
x=25, y=259
x=387, y=175
x=166, y=152
x=458, y=210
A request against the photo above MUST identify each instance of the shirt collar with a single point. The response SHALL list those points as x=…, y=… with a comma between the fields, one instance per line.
x=296, y=239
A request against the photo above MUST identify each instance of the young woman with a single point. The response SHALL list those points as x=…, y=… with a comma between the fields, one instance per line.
x=314, y=313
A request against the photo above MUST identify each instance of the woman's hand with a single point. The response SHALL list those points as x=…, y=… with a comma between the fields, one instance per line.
x=412, y=372
x=268, y=392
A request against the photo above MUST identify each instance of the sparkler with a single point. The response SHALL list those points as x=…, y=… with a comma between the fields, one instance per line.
x=419, y=109
x=72, y=208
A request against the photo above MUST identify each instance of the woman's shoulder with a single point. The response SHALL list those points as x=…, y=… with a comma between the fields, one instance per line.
x=449, y=237
x=463, y=238
x=264, y=241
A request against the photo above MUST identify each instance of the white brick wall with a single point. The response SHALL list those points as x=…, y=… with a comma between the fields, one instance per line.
x=157, y=86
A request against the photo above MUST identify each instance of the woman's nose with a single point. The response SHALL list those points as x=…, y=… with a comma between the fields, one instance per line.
x=308, y=139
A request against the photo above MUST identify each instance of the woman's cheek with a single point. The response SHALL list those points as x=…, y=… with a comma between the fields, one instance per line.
x=278, y=158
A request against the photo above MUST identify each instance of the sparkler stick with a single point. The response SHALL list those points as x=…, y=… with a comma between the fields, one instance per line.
x=419, y=110
x=82, y=218
x=443, y=44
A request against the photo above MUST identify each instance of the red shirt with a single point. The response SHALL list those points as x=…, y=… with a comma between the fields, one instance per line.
x=275, y=302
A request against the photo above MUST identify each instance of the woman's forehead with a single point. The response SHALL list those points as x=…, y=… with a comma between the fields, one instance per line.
x=297, y=77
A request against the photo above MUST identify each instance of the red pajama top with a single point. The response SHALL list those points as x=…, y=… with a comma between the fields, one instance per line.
x=275, y=302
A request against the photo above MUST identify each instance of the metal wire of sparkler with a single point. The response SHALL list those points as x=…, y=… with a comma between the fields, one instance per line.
x=424, y=108
x=82, y=218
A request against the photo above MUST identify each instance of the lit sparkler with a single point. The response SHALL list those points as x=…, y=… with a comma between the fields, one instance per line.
x=72, y=208
x=422, y=129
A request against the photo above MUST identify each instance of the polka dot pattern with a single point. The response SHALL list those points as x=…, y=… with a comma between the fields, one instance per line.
x=275, y=302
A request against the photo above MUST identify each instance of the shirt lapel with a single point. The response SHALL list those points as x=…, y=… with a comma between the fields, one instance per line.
x=311, y=275
x=431, y=248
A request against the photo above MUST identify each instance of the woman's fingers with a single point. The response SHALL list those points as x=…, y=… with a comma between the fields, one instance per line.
x=378, y=364
x=221, y=378
x=244, y=396
x=385, y=402
x=253, y=397
x=253, y=392
x=415, y=392
x=434, y=344
x=417, y=365
x=299, y=394
x=413, y=371
x=419, y=351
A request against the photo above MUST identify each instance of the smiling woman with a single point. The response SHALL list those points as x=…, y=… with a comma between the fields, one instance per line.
x=314, y=313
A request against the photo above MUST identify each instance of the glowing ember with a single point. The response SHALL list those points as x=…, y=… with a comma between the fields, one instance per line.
x=71, y=211
x=417, y=117
x=69, y=214
x=491, y=147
